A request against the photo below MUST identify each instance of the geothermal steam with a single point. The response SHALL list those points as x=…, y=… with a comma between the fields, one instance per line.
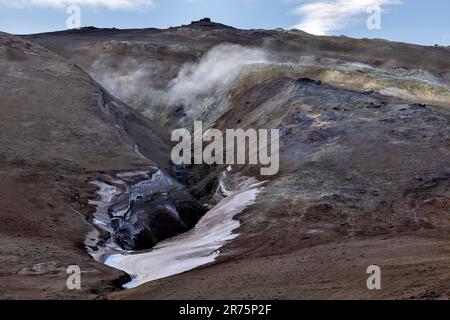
x=193, y=87
x=215, y=71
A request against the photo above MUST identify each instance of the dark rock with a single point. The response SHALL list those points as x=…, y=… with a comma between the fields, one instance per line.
x=308, y=81
x=180, y=173
x=156, y=209
x=207, y=23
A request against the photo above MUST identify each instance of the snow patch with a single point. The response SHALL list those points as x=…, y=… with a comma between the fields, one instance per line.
x=195, y=248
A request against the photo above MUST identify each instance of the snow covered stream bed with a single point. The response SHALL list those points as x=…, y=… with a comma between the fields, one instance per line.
x=195, y=248
x=182, y=253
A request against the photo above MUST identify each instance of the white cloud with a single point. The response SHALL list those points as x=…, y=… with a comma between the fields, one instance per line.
x=324, y=16
x=111, y=4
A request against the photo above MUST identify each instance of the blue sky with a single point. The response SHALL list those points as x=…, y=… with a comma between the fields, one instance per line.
x=414, y=21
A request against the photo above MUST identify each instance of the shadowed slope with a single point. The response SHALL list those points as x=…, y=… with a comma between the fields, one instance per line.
x=59, y=129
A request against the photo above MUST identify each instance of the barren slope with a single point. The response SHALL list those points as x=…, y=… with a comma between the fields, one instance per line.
x=59, y=130
x=364, y=179
x=365, y=149
x=138, y=65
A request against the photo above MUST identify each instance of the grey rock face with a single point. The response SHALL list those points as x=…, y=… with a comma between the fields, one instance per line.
x=155, y=209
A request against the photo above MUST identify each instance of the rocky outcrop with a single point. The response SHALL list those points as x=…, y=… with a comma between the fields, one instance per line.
x=207, y=24
x=156, y=208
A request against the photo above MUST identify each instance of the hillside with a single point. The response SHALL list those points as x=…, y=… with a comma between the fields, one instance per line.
x=59, y=130
x=364, y=152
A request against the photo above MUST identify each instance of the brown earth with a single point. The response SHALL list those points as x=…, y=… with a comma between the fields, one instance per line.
x=364, y=179
x=59, y=130
x=412, y=268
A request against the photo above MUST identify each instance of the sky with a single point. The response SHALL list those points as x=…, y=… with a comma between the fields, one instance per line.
x=412, y=21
